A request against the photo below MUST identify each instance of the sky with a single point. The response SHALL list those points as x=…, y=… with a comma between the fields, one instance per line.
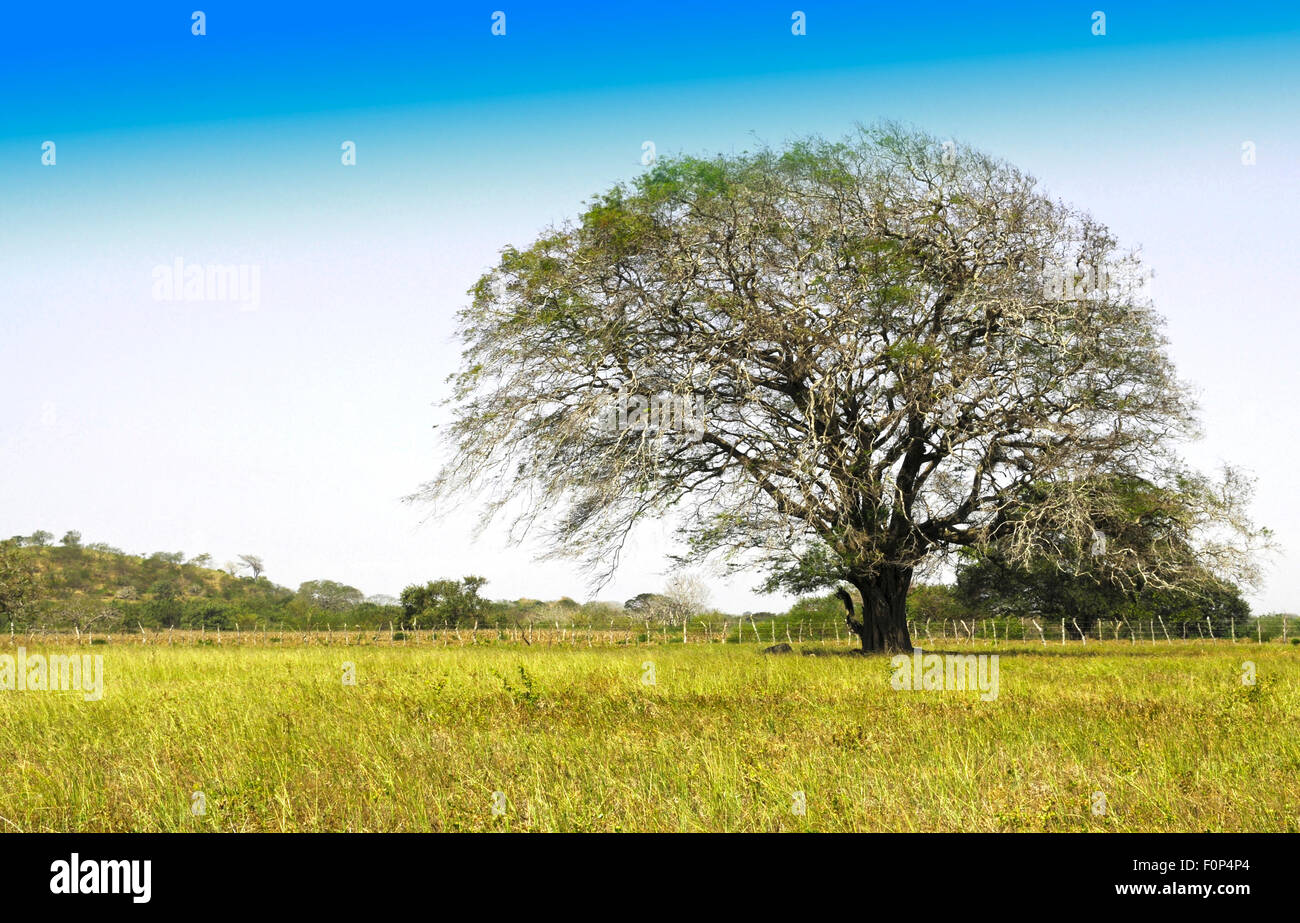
x=290, y=419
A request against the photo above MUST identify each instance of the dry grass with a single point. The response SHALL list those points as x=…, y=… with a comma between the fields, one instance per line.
x=574, y=740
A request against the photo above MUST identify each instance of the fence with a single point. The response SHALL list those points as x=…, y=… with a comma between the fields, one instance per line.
x=702, y=631
x=1064, y=631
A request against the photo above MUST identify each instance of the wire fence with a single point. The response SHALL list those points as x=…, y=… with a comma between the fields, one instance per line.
x=1064, y=631
x=923, y=632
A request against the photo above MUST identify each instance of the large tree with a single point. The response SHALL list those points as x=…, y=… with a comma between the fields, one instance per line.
x=837, y=361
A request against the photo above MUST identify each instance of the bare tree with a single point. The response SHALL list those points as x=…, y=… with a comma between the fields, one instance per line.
x=81, y=612
x=253, y=563
x=895, y=341
x=684, y=597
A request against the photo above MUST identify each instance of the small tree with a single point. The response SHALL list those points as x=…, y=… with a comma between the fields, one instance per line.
x=684, y=597
x=19, y=586
x=329, y=595
x=446, y=602
x=641, y=601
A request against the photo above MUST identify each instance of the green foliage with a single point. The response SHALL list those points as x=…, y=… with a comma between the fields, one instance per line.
x=18, y=582
x=818, y=609
x=935, y=601
x=987, y=586
x=329, y=595
x=208, y=614
x=642, y=602
x=443, y=603
x=70, y=584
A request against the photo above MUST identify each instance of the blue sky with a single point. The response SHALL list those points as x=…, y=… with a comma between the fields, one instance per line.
x=293, y=429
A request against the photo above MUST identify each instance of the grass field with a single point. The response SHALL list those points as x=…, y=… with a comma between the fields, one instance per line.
x=576, y=739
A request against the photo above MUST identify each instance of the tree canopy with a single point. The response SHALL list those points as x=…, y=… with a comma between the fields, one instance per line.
x=894, y=342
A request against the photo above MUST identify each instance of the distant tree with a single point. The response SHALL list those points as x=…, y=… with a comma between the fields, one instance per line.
x=1138, y=557
x=329, y=595
x=818, y=609
x=209, y=614
x=201, y=560
x=81, y=613
x=253, y=563
x=641, y=601
x=165, y=589
x=992, y=586
x=40, y=538
x=71, y=539
x=934, y=601
x=1219, y=602
x=446, y=602
x=162, y=612
x=684, y=597
x=19, y=588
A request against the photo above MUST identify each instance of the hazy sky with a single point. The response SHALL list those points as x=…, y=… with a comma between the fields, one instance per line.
x=292, y=428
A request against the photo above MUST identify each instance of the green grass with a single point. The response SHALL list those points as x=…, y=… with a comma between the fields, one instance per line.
x=574, y=740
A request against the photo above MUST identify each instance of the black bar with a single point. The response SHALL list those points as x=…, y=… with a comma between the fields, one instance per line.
x=337, y=872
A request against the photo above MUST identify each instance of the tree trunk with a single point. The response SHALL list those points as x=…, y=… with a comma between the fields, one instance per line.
x=883, y=625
